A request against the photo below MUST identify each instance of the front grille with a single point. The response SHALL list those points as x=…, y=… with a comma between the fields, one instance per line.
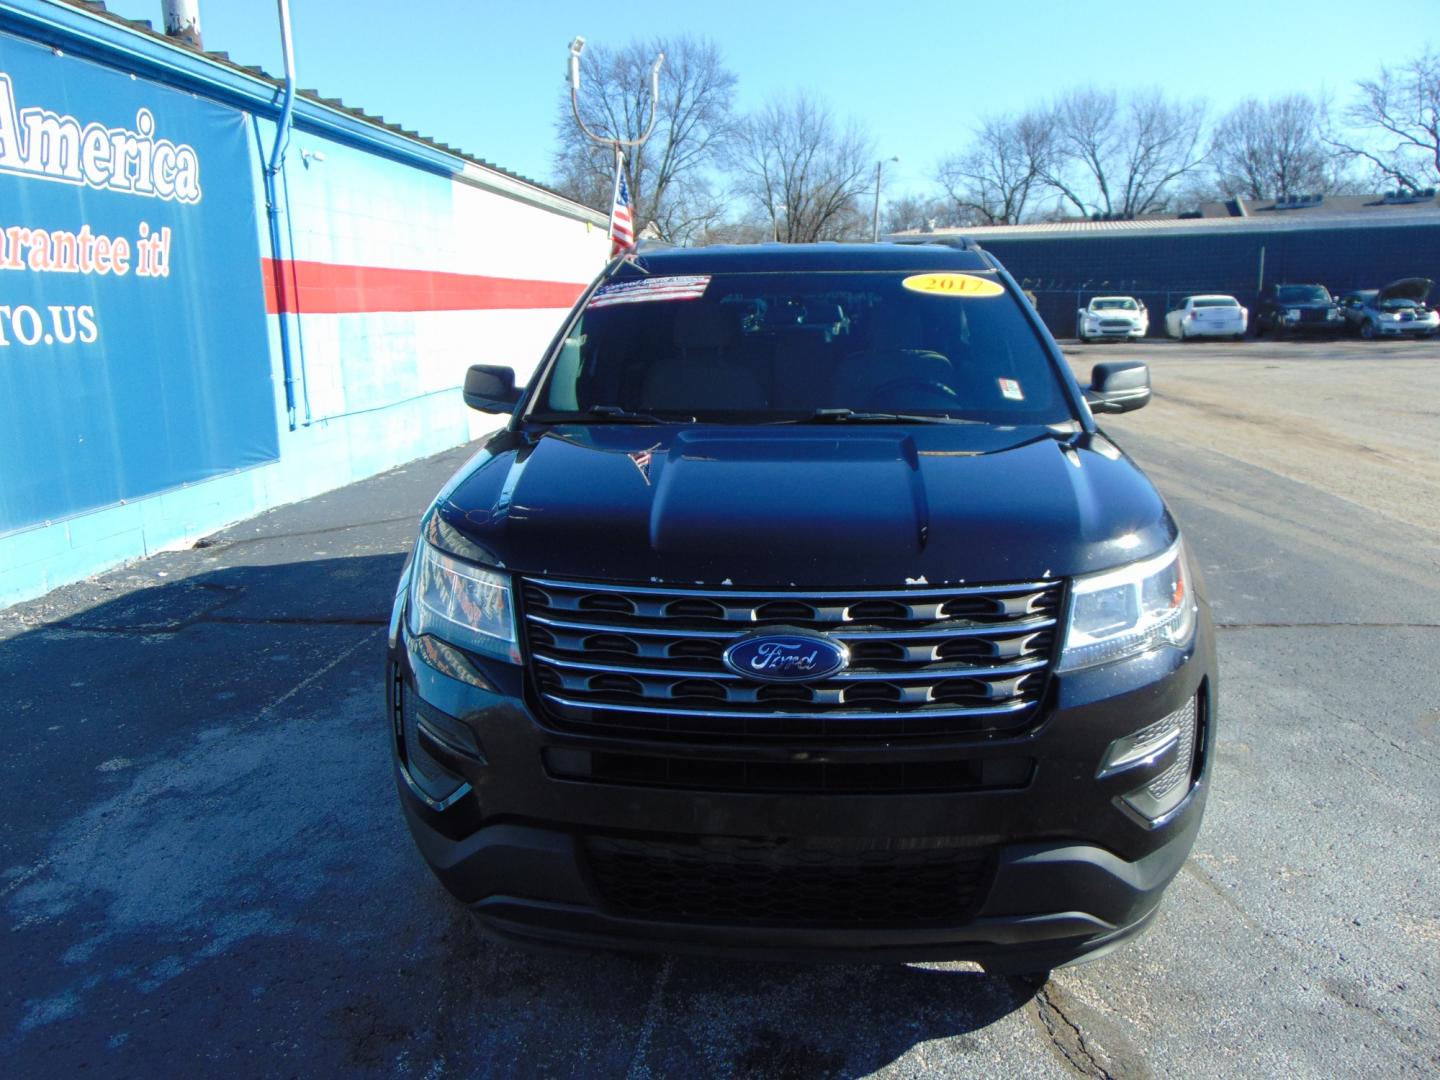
x=784, y=883
x=924, y=662
x=1115, y=324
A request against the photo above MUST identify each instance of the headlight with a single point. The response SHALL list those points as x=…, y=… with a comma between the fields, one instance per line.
x=1333, y=314
x=1292, y=313
x=464, y=604
x=1124, y=612
x=1389, y=316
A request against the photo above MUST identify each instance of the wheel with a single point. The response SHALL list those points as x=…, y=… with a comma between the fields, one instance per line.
x=1083, y=339
x=1367, y=330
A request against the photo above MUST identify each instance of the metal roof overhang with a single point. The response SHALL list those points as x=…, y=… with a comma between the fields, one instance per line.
x=76, y=32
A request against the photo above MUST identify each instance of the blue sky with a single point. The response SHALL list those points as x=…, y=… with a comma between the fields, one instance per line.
x=485, y=76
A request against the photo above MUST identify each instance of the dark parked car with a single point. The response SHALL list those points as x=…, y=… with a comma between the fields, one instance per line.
x=1400, y=309
x=1297, y=309
x=800, y=608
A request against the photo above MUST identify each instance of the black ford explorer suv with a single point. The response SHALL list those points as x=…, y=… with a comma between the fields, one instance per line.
x=801, y=609
x=1297, y=309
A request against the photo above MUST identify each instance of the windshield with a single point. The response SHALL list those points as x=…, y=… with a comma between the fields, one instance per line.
x=1302, y=294
x=1214, y=301
x=1123, y=303
x=782, y=346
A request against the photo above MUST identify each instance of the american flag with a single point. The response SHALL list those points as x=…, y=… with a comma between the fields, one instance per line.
x=643, y=459
x=622, y=222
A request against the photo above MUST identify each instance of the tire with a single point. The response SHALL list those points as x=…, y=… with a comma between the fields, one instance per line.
x=1367, y=330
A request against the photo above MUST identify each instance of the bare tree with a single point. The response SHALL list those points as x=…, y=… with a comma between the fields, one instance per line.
x=795, y=163
x=667, y=176
x=1123, y=157
x=918, y=213
x=1272, y=149
x=1397, y=116
x=993, y=181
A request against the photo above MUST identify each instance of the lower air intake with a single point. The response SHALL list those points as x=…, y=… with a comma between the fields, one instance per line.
x=779, y=883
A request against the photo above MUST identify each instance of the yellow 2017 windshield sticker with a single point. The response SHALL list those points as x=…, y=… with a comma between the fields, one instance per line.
x=953, y=285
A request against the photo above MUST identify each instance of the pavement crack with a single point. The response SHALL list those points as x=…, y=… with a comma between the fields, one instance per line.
x=1065, y=1035
x=638, y=1069
x=1203, y=876
x=338, y=620
x=224, y=620
x=210, y=543
x=139, y=796
x=1326, y=626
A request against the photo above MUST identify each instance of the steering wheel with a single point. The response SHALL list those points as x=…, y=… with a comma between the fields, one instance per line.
x=911, y=392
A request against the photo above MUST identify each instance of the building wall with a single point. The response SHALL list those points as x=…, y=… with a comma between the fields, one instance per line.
x=392, y=277
x=1064, y=272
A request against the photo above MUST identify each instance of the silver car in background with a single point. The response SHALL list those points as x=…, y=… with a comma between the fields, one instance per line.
x=1400, y=309
x=1213, y=315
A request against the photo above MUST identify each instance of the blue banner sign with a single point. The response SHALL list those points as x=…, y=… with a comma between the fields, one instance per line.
x=134, y=356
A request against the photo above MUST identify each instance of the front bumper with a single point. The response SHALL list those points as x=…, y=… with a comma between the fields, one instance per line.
x=1070, y=871
x=1098, y=333
x=1327, y=327
x=1417, y=328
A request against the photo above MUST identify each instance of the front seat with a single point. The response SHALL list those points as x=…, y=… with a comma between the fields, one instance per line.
x=702, y=374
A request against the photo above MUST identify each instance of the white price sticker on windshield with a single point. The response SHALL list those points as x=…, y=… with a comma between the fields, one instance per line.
x=1010, y=390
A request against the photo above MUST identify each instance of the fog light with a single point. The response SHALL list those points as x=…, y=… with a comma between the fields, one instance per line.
x=1164, y=793
x=431, y=779
x=1144, y=747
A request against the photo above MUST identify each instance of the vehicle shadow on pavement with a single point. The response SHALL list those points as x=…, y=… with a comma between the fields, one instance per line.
x=538, y=1011
x=203, y=867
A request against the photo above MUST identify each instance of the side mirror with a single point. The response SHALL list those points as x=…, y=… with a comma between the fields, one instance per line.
x=1121, y=386
x=491, y=389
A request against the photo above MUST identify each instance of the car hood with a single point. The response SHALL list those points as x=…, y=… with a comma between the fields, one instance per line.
x=803, y=506
x=1119, y=313
x=1412, y=288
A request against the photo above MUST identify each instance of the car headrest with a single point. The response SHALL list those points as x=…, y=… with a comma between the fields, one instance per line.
x=704, y=326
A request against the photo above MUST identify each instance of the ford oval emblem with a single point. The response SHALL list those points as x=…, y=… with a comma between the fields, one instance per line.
x=777, y=656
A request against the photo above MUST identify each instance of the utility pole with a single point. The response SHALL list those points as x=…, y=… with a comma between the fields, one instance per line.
x=875, y=221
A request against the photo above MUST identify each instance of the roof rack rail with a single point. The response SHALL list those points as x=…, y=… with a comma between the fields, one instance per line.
x=961, y=243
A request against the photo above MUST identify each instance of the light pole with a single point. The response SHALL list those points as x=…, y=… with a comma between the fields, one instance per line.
x=875, y=222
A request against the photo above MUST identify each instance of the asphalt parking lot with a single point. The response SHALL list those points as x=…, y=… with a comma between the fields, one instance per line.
x=203, y=868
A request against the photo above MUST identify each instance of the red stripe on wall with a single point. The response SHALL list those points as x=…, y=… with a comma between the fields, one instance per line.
x=316, y=288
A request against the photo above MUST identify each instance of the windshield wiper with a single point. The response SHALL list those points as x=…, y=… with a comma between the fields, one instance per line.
x=854, y=416
x=607, y=414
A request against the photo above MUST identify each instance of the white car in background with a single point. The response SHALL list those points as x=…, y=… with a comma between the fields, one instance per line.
x=1112, y=318
x=1213, y=315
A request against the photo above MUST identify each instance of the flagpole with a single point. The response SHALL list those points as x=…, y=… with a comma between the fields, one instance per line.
x=614, y=142
x=615, y=194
